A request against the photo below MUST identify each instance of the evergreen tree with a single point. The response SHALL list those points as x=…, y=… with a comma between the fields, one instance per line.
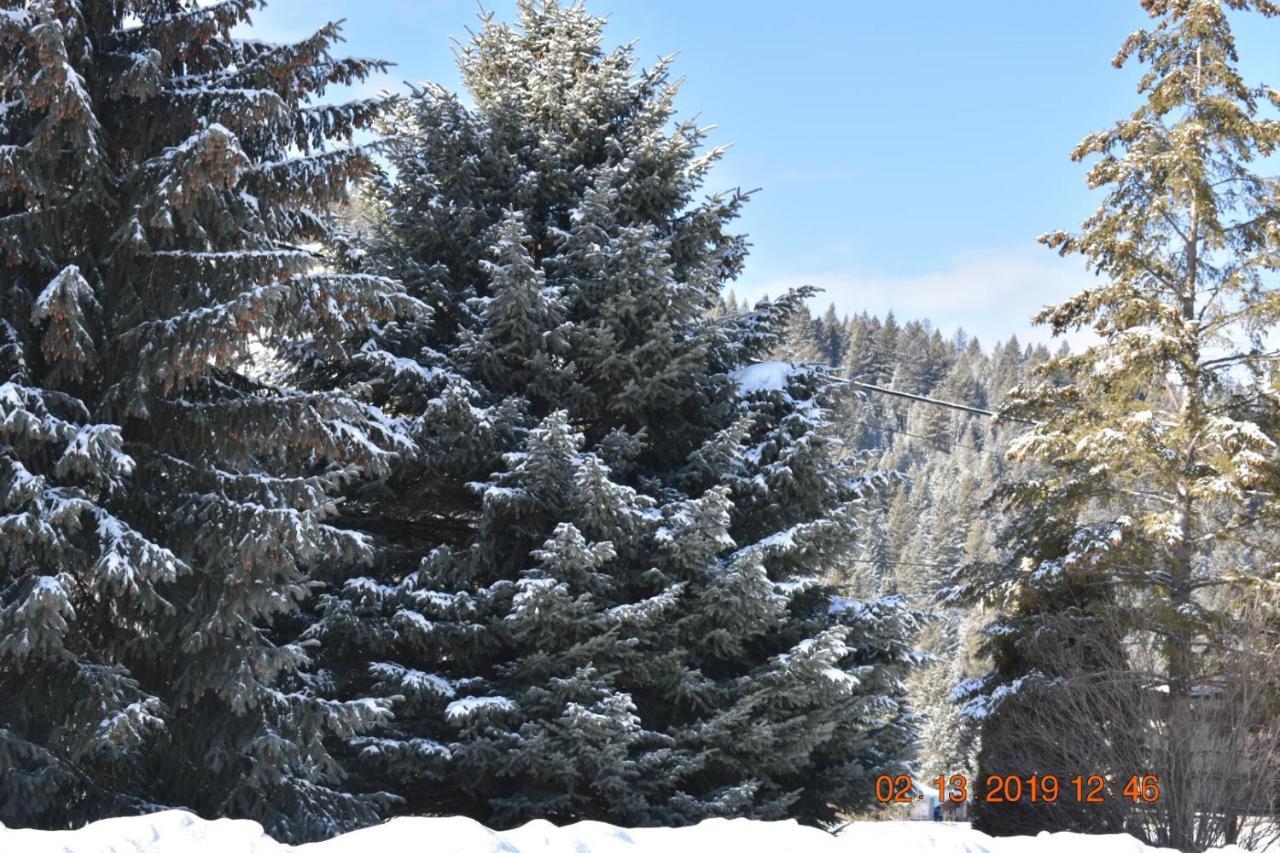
x=161, y=501
x=913, y=372
x=1055, y=695
x=1157, y=452
x=946, y=735
x=1007, y=368
x=832, y=336
x=801, y=341
x=861, y=360
x=885, y=345
x=938, y=358
x=601, y=589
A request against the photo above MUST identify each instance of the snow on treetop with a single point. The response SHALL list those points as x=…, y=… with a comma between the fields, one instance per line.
x=766, y=376
x=66, y=285
x=413, y=680
x=47, y=585
x=852, y=606
x=10, y=395
x=463, y=709
x=417, y=748
x=398, y=365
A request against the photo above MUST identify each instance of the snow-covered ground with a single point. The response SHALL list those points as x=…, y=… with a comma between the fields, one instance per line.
x=180, y=832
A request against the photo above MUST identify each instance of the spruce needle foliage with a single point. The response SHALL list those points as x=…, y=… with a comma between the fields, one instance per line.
x=604, y=586
x=161, y=499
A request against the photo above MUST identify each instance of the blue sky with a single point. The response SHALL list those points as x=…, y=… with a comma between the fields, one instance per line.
x=908, y=153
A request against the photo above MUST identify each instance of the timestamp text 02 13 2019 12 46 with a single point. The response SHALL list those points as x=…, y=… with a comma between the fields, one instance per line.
x=1047, y=788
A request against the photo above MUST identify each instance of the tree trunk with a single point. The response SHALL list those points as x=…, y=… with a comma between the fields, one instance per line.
x=1180, y=725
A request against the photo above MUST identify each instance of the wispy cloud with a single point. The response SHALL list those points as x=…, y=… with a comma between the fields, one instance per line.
x=991, y=294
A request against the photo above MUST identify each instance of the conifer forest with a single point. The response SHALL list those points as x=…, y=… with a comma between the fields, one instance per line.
x=417, y=454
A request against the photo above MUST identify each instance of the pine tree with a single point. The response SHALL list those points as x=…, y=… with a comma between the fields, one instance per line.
x=602, y=584
x=913, y=372
x=161, y=501
x=1157, y=453
x=833, y=336
x=861, y=356
x=1007, y=368
x=885, y=343
x=801, y=341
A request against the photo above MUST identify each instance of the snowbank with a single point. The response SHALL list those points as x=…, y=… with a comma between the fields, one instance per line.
x=180, y=832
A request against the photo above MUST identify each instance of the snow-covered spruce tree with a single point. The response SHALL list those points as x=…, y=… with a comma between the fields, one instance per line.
x=159, y=501
x=600, y=591
x=1155, y=504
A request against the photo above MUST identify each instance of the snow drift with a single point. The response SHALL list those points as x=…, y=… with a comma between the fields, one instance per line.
x=182, y=832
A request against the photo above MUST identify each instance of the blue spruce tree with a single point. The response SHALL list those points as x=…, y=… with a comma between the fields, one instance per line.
x=603, y=584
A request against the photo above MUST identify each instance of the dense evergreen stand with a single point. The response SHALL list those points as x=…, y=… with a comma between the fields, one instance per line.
x=601, y=588
x=160, y=499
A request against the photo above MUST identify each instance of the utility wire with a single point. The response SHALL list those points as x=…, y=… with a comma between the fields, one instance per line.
x=919, y=398
x=933, y=401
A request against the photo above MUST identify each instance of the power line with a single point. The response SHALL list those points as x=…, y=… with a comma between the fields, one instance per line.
x=919, y=398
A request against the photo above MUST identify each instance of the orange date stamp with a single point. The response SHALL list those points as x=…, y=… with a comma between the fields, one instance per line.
x=1038, y=788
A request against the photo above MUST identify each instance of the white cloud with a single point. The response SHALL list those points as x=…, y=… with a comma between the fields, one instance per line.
x=991, y=294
